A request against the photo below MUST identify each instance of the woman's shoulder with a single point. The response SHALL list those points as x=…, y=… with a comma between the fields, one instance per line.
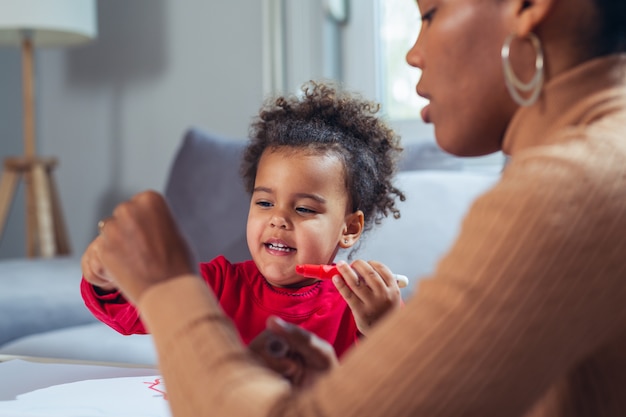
x=577, y=182
x=585, y=158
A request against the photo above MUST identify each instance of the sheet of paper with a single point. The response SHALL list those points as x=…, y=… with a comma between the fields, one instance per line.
x=115, y=397
x=83, y=391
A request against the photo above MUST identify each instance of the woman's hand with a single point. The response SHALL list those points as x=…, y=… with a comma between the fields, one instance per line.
x=297, y=354
x=370, y=289
x=139, y=246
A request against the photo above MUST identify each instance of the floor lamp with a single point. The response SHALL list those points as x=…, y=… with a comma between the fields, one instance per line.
x=29, y=24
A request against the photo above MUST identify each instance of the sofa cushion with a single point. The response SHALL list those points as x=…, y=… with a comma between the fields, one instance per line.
x=39, y=295
x=207, y=197
x=88, y=342
x=429, y=221
x=427, y=155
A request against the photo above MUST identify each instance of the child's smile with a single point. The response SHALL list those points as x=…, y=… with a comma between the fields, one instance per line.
x=298, y=212
x=279, y=248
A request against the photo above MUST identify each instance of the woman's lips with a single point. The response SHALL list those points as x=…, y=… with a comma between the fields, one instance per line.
x=425, y=113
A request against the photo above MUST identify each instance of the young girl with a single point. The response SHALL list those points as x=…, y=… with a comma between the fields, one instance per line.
x=318, y=169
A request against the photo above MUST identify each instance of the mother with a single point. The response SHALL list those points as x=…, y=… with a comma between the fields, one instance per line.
x=526, y=314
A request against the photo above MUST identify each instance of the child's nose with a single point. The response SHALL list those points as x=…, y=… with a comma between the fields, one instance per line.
x=278, y=221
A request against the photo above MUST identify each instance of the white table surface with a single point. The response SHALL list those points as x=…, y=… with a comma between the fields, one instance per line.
x=19, y=375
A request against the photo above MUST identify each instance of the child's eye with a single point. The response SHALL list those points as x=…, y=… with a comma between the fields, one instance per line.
x=264, y=204
x=305, y=210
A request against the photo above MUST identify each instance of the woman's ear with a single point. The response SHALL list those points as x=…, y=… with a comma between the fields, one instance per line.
x=531, y=13
x=352, y=230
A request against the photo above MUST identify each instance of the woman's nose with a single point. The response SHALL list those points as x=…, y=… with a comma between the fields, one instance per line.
x=414, y=56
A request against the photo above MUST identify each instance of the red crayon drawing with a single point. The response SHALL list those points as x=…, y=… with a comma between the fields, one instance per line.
x=156, y=385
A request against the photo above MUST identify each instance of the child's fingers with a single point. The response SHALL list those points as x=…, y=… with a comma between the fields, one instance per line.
x=387, y=277
x=374, y=278
x=350, y=275
x=92, y=268
x=362, y=284
x=347, y=284
x=353, y=279
x=346, y=292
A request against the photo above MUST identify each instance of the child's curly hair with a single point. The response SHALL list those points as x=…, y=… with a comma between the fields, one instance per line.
x=325, y=119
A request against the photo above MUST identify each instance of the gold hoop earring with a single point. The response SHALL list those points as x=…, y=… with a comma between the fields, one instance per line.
x=513, y=83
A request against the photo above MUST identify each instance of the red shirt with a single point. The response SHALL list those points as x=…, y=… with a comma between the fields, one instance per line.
x=248, y=299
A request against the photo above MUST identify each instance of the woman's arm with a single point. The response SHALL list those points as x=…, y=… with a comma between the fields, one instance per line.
x=525, y=294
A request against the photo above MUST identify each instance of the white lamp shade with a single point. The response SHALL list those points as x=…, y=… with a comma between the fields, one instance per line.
x=49, y=22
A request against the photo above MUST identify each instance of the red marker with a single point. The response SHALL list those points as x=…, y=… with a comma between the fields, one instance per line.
x=328, y=271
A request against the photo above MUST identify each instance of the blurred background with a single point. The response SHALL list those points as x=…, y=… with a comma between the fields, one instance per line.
x=113, y=110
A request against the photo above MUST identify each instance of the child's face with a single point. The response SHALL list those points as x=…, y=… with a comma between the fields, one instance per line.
x=298, y=214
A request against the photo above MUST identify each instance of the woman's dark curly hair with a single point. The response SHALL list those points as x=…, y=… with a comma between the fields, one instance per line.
x=325, y=119
x=612, y=36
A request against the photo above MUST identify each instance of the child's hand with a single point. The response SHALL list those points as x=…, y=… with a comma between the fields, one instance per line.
x=93, y=271
x=370, y=289
x=140, y=246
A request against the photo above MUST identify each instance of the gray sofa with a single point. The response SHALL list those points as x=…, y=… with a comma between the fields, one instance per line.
x=42, y=313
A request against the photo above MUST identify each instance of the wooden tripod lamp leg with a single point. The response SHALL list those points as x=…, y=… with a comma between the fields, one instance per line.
x=60, y=231
x=43, y=207
x=46, y=233
x=45, y=229
x=28, y=102
x=32, y=231
x=8, y=184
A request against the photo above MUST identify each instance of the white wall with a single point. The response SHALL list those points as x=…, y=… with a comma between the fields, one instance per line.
x=114, y=111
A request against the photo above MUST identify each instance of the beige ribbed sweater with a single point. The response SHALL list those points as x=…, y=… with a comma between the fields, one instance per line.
x=525, y=315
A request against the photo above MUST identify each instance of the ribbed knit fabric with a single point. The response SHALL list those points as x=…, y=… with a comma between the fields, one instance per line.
x=524, y=316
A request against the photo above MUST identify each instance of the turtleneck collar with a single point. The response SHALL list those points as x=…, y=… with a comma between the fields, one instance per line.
x=577, y=96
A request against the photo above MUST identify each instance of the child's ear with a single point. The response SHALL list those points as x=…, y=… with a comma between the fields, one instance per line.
x=353, y=229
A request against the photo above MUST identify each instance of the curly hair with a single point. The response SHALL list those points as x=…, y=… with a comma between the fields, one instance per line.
x=612, y=36
x=326, y=119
